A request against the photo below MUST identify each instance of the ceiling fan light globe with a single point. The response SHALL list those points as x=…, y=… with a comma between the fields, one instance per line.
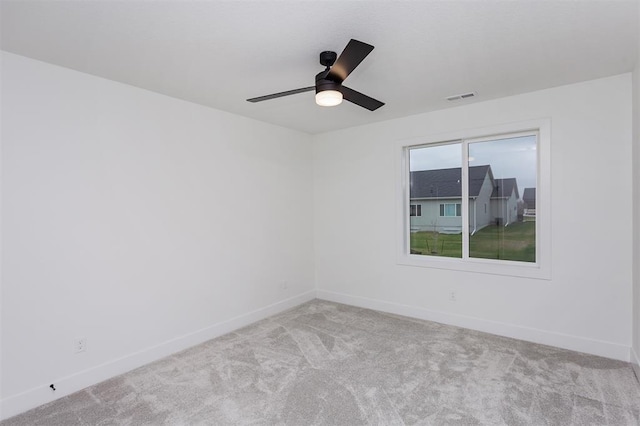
x=329, y=98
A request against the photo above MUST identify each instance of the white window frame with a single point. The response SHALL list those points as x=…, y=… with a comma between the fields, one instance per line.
x=418, y=210
x=541, y=268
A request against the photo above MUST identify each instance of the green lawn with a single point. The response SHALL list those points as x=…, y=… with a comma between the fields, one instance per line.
x=431, y=243
x=515, y=242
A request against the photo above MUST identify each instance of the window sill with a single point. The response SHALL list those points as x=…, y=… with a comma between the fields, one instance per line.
x=481, y=266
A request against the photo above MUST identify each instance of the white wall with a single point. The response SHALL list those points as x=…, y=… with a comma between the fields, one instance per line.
x=636, y=214
x=145, y=223
x=585, y=306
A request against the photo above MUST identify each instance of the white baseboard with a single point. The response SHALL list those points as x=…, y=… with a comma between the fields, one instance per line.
x=565, y=341
x=635, y=361
x=16, y=404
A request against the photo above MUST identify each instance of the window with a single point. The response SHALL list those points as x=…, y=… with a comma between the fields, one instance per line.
x=450, y=209
x=470, y=191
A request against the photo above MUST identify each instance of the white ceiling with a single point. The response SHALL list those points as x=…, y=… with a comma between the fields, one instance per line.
x=219, y=53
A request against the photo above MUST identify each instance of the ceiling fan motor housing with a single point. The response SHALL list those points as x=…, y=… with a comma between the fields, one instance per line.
x=327, y=58
x=323, y=84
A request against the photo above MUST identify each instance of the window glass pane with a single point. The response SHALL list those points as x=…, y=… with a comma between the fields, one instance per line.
x=450, y=210
x=502, y=174
x=435, y=186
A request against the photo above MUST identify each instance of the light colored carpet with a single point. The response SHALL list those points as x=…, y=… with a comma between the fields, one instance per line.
x=328, y=364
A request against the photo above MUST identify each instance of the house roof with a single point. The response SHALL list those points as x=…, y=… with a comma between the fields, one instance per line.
x=446, y=183
x=529, y=197
x=502, y=188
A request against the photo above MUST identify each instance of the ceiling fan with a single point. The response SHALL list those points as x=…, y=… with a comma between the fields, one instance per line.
x=329, y=88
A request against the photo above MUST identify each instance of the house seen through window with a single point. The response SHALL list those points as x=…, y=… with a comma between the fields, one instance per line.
x=475, y=198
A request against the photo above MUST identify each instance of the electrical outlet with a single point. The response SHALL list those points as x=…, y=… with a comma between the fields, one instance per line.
x=453, y=296
x=80, y=345
x=284, y=285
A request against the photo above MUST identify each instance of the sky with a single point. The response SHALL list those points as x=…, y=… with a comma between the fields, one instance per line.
x=508, y=158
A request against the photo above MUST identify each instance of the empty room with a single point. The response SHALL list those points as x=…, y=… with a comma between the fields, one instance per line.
x=319, y=212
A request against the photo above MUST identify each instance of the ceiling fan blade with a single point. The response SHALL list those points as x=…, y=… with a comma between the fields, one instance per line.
x=360, y=99
x=281, y=94
x=349, y=59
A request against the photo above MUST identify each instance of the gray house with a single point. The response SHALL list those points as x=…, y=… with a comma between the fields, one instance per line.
x=529, y=198
x=504, y=201
x=435, y=200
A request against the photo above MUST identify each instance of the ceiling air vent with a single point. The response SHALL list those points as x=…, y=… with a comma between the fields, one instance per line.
x=462, y=96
